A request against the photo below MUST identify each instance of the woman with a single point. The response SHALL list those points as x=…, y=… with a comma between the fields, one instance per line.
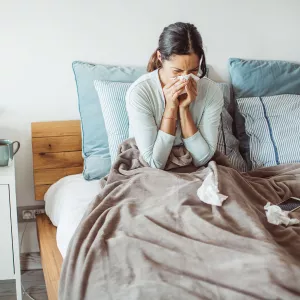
x=160, y=116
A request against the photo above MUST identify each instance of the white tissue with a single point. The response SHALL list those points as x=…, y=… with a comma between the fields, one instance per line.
x=209, y=192
x=185, y=78
x=277, y=216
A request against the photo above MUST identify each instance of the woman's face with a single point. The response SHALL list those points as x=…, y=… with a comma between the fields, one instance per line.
x=180, y=65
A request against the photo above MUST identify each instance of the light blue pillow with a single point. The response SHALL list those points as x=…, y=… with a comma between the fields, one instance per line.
x=112, y=99
x=260, y=78
x=273, y=126
x=95, y=149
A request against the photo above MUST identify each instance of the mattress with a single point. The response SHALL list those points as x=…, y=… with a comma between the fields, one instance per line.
x=65, y=204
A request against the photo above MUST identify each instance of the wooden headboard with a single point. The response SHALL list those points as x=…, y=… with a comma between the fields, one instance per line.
x=56, y=148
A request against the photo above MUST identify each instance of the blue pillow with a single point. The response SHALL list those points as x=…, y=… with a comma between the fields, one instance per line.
x=113, y=104
x=260, y=78
x=95, y=149
x=273, y=126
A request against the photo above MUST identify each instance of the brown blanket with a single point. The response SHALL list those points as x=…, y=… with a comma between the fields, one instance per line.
x=148, y=236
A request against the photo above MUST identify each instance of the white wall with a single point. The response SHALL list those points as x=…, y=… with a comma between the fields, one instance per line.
x=39, y=39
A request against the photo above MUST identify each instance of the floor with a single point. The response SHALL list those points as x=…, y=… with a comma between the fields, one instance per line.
x=33, y=282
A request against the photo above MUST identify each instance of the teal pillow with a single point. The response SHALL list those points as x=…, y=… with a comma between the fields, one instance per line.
x=95, y=149
x=261, y=78
x=112, y=99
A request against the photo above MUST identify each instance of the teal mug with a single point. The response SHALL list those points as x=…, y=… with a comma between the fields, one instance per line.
x=7, y=152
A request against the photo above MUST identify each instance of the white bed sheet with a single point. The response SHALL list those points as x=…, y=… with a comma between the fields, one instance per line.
x=65, y=204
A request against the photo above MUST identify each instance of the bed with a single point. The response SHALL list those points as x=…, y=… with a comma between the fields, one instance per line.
x=144, y=221
x=56, y=153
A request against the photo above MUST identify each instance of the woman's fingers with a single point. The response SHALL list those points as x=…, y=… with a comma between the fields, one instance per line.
x=194, y=89
x=194, y=83
x=191, y=89
x=176, y=95
x=179, y=86
x=171, y=82
x=193, y=86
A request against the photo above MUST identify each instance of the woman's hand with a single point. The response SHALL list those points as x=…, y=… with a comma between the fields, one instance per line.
x=186, y=99
x=172, y=91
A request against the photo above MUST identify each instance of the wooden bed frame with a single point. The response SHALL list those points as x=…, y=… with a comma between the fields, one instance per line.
x=56, y=148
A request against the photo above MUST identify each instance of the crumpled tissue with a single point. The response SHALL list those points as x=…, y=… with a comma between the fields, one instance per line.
x=209, y=192
x=186, y=77
x=277, y=216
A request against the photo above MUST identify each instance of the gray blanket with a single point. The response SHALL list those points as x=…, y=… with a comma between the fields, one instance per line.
x=148, y=236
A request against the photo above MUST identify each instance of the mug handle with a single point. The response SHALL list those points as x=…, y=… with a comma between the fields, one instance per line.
x=18, y=147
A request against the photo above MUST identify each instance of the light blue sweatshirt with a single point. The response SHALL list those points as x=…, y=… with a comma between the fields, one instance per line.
x=145, y=105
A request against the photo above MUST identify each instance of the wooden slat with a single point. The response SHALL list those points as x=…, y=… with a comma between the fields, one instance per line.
x=56, y=144
x=50, y=255
x=50, y=176
x=56, y=128
x=40, y=191
x=56, y=148
x=57, y=160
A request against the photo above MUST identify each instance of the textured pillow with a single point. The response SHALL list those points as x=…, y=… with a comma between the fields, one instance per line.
x=112, y=99
x=95, y=148
x=273, y=126
x=260, y=78
x=227, y=142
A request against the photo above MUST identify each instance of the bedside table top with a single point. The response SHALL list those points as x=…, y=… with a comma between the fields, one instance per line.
x=7, y=171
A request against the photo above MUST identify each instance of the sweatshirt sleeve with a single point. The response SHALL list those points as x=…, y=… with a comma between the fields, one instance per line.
x=203, y=144
x=155, y=145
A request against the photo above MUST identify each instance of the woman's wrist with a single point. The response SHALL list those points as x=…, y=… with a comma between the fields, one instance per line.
x=183, y=114
x=183, y=110
x=172, y=105
x=171, y=111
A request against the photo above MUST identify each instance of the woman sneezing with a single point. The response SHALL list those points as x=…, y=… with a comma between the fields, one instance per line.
x=174, y=103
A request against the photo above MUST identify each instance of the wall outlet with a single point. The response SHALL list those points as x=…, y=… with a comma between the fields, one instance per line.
x=28, y=213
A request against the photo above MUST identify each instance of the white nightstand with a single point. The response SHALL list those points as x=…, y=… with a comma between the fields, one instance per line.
x=9, y=238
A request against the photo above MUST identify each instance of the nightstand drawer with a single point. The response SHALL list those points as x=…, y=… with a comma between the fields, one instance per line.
x=6, y=246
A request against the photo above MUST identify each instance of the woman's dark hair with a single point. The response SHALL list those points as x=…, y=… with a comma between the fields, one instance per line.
x=178, y=39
